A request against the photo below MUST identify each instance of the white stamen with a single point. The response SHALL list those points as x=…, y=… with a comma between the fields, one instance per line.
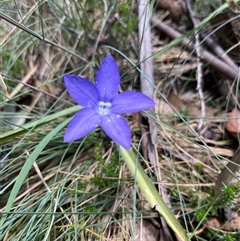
x=103, y=107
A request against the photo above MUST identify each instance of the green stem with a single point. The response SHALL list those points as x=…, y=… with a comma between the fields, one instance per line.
x=150, y=193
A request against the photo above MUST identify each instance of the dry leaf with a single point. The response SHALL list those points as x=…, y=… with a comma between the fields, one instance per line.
x=172, y=6
x=188, y=108
x=233, y=6
x=230, y=225
x=233, y=123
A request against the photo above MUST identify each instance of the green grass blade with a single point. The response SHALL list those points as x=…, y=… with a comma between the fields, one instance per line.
x=27, y=166
x=151, y=194
x=32, y=125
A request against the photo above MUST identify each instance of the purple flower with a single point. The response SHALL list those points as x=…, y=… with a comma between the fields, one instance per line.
x=102, y=105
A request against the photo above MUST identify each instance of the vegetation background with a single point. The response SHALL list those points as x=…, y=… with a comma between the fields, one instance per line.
x=84, y=190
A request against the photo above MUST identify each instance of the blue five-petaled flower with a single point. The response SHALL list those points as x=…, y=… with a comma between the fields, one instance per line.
x=102, y=105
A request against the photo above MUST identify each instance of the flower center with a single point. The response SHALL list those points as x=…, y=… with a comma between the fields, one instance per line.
x=103, y=107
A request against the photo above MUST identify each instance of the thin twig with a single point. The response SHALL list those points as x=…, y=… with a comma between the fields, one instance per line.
x=199, y=65
x=218, y=50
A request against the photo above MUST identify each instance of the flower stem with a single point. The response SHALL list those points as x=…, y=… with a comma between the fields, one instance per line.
x=151, y=194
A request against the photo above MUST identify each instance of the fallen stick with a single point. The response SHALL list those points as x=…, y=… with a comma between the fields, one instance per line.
x=228, y=71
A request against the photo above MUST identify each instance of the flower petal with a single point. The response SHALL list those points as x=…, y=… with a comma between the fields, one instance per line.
x=82, y=90
x=85, y=121
x=108, y=79
x=117, y=128
x=131, y=101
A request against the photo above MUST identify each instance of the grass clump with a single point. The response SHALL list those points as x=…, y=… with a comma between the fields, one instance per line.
x=84, y=190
